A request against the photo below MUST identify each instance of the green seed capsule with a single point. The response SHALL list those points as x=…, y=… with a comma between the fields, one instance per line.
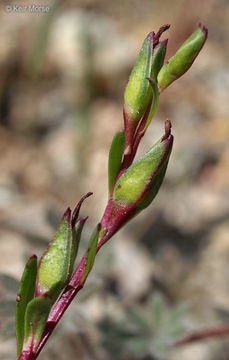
x=138, y=92
x=183, y=58
x=140, y=183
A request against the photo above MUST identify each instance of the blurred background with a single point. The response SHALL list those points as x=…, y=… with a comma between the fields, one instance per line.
x=62, y=76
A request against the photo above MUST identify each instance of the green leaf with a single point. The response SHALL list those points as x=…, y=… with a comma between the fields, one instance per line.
x=76, y=236
x=138, y=345
x=154, y=104
x=158, y=59
x=178, y=312
x=36, y=315
x=175, y=322
x=138, y=318
x=40, y=41
x=25, y=294
x=157, y=310
x=115, y=158
x=91, y=253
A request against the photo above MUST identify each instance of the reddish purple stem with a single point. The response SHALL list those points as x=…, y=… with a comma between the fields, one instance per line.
x=133, y=141
x=206, y=334
x=58, y=310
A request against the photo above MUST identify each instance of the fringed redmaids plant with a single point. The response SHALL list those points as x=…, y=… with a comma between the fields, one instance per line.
x=47, y=288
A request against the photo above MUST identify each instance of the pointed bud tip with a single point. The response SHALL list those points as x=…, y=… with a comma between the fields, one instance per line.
x=155, y=38
x=161, y=30
x=76, y=211
x=82, y=220
x=67, y=214
x=139, y=184
x=161, y=44
x=150, y=36
x=164, y=42
x=204, y=30
x=168, y=127
x=30, y=259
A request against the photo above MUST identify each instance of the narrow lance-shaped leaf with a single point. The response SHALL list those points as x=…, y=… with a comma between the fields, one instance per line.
x=138, y=318
x=76, y=236
x=154, y=104
x=25, y=294
x=115, y=158
x=157, y=62
x=75, y=213
x=91, y=253
x=36, y=316
x=157, y=307
x=158, y=58
x=54, y=266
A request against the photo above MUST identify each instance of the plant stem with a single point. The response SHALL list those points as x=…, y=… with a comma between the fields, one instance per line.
x=203, y=335
x=58, y=310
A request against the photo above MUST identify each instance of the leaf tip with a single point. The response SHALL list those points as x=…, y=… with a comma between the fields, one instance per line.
x=76, y=211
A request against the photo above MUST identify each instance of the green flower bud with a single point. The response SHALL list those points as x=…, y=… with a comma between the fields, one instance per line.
x=54, y=266
x=138, y=92
x=138, y=185
x=183, y=58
